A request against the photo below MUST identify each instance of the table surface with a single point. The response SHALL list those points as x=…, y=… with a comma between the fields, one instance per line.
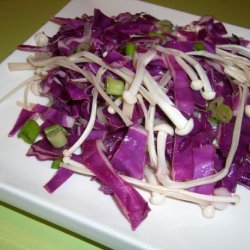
x=19, y=20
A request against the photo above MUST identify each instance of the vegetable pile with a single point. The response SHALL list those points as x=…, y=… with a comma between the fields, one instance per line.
x=139, y=102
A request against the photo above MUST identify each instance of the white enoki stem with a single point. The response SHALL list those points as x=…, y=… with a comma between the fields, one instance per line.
x=20, y=104
x=232, y=57
x=247, y=73
x=25, y=95
x=154, y=89
x=117, y=102
x=79, y=80
x=21, y=85
x=143, y=91
x=156, y=198
x=229, y=61
x=221, y=191
x=56, y=61
x=240, y=49
x=20, y=66
x=232, y=63
x=144, y=109
x=247, y=107
x=196, y=83
x=238, y=64
x=173, y=193
x=35, y=88
x=44, y=70
x=162, y=166
x=165, y=79
x=235, y=73
x=209, y=55
x=88, y=129
x=127, y=108
x=130, y=95
x=208, y=92
x=151, y=144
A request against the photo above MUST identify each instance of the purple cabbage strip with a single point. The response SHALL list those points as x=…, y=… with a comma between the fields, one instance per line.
x=182, y=90
x=203, y=158
x=112, y=141
x=61, y=175
x=69, y=22
x=115, y=59
x=59, y=92
x=77, y=93
x=134, y=207
x=114, y=120
x=43, y=150
x=54, y=115
x=32, y=48
x=101, y=21
x=23, y=116
x=129, y=158
x=182, y=170
x=184, y=148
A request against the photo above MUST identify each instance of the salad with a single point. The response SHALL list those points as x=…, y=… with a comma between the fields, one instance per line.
x=134, y=101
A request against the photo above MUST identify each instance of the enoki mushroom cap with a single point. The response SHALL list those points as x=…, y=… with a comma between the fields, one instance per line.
x=196, y=84
x=157, y=199
x=247, y=110
x=208, y=211
x=185, y=129
x=208, y=95
x=41, y=39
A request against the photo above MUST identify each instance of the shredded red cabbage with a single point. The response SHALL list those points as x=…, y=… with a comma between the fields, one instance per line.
x=113, y=145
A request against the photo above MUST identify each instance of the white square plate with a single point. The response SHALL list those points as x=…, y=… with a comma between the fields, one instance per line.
x=78, y=205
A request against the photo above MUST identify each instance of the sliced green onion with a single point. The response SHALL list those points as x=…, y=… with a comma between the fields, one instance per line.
x=29, y=131
x=223, y=113
x=165, y=26
x=220, y=112
x=130, y=49
x=213, y=121
x=56, y=136
x=155, y=34
x=114, y=86
x=56, y=163
x=214, y=104
x=199, y=46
